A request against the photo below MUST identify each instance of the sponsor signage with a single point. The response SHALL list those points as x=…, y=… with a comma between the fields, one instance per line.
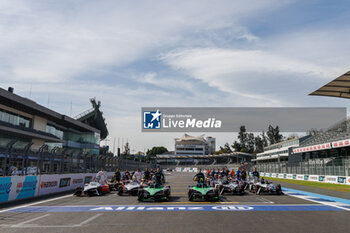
x=5, y=188
x=313, y=178
x=64, y=182
x=300, y=177
x=341, y=143
x=306, y=177
x=312, y=148
x=152, y=208
x=87, y=179
x=77, y=181
x=289, y=176
x=331, y=179
x=341, y=180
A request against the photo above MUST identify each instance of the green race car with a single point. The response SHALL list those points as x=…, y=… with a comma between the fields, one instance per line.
x=202, y=192
x=154, y=192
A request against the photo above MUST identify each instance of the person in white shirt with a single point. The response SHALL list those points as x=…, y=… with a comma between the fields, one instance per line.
x=101, y=176
x=137, y=176
x=14, y=172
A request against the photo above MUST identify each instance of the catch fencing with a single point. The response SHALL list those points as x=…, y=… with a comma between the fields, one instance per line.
x=339, y=166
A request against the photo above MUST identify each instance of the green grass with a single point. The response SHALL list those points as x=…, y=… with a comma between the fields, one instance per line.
x=336, y=187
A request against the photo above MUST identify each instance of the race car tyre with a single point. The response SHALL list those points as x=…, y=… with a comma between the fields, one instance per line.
x=190, y=195
x=140, y=195
x=257, y=190
x=134, y=192
x=120, y=191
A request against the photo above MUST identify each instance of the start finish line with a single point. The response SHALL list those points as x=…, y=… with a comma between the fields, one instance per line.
x=133, y=208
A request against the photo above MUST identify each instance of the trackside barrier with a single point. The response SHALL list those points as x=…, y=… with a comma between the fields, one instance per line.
x=316, y=178
x=186, y=169
x=19, y=187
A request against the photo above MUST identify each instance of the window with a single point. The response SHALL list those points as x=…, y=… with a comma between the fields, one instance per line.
x=14, y=119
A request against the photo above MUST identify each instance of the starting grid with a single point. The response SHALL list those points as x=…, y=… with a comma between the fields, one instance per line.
x=324, y=203
x=140, y=208
x=321, y=203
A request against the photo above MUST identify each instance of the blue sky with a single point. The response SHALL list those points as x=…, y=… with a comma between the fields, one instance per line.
x=172, y=53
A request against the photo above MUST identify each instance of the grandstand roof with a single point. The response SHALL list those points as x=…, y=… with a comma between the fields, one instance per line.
x=12, y=100
x=94, y=118
x=187, y=137
x=232, y=154
x=339, y=87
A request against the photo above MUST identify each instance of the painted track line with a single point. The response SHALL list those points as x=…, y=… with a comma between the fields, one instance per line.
x=35, y=203
x=89, y=220
x=30, y=220
x=343, y=204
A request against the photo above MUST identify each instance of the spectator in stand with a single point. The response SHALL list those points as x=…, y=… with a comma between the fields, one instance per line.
x=14, y=172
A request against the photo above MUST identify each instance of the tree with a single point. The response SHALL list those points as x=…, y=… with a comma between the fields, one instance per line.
x=225, y=149
x=273, y=135
x=156, y=150
x=250, y=143
x=236, y=146
x=242, y=136
x=264, y=139
x=259, y=144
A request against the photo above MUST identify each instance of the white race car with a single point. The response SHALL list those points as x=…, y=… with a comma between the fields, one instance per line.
x=266, y=187
x=91, y=189
x=232, y=187
x=129, y=189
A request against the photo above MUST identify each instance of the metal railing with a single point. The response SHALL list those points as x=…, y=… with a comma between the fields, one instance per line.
x=336, y=166
x=59, y=162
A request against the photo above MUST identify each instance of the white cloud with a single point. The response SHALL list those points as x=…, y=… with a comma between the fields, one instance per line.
x=56, y=41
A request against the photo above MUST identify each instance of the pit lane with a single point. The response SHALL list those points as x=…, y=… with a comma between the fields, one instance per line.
x=78, y=217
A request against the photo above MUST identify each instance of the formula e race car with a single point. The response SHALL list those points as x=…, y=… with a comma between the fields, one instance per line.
x=233, y=187
x=201, y=192
x=267, y=187
x=91, y=189
x=129, y=189
x=114, y=185
x=155, y=192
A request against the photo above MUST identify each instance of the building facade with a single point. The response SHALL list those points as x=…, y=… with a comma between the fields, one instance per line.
x=32, y=135
x=190, y=145
x=23, y=122
x=280, y=151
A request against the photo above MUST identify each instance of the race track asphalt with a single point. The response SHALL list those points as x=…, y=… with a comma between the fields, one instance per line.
x=48, y=218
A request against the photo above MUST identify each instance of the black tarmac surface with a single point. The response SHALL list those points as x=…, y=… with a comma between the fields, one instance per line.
x=176, y=221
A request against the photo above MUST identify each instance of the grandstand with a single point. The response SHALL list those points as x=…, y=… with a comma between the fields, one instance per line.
x=326, y=152
x=35, y=138
x=232, y=159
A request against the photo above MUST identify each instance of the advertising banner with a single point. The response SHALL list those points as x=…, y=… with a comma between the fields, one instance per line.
x=21, y=187
x=331, y=179
x=5, y=188
x=313, y=178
